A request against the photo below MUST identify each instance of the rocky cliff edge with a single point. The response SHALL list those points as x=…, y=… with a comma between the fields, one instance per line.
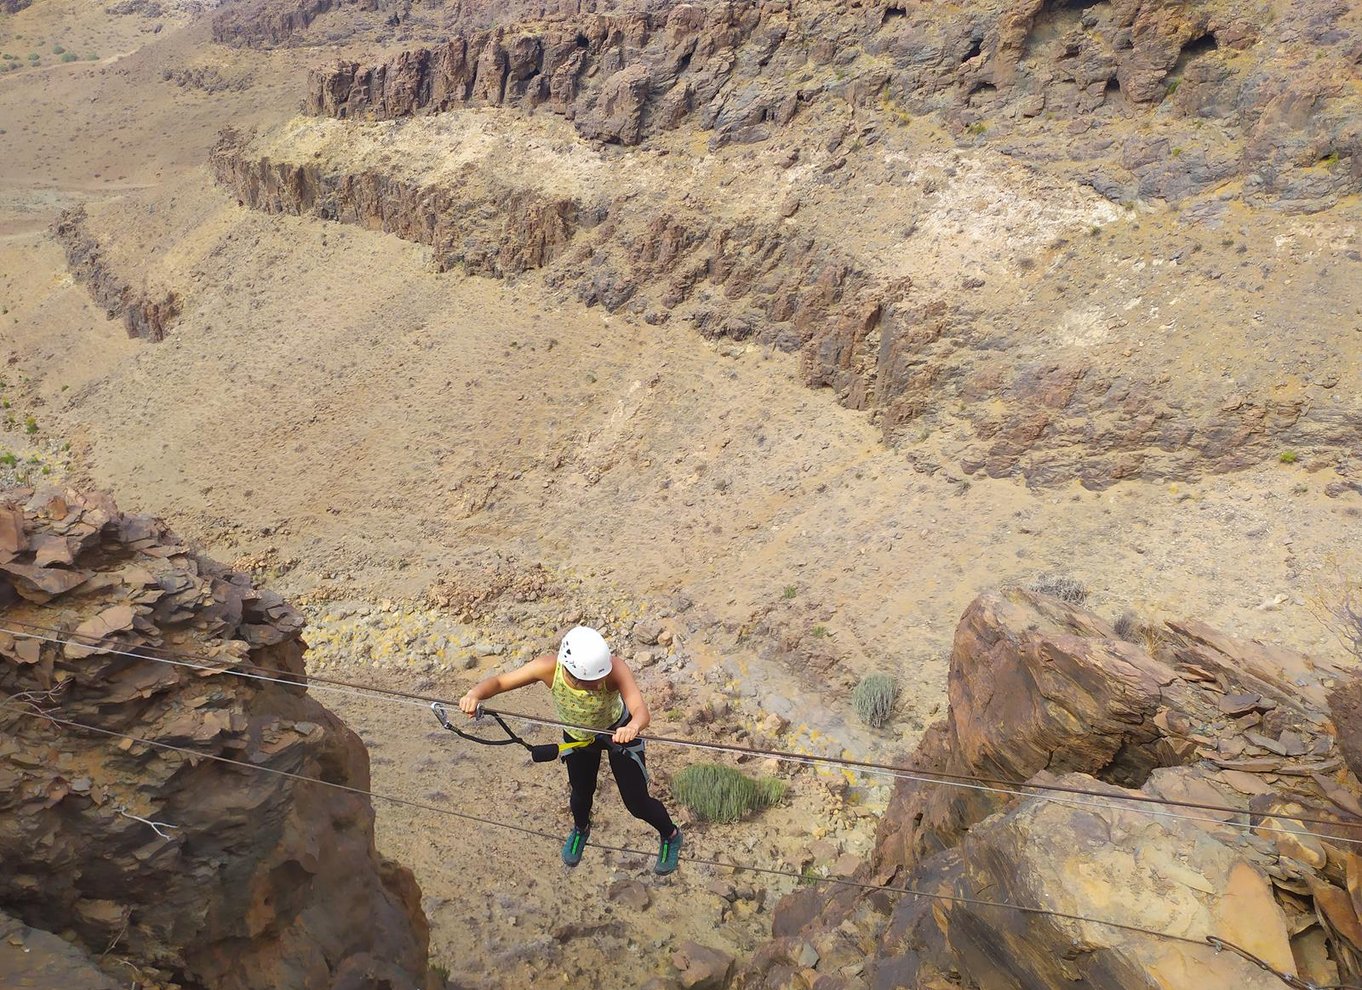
x=1048, y=693
x=253, y=879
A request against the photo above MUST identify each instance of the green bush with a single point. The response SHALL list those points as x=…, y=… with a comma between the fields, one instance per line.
x=58, y=50
x=8, y=459
x=716, y=793
x=1288, y=457
x=874, y=699
x=68, y=57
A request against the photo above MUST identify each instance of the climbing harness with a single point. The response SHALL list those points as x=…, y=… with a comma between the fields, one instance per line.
x=539, y=753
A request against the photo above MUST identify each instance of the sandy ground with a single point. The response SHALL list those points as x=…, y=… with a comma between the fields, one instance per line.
x=363, y=429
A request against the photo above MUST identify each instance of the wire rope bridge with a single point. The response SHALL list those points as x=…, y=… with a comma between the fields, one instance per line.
x=32, y=705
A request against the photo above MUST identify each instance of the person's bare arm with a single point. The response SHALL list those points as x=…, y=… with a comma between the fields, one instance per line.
x=639, y=716
x=538, y=669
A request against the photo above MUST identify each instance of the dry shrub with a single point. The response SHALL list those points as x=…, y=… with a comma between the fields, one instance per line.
x=1061, y=586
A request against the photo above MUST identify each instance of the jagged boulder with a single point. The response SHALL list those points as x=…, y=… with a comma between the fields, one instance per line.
x=255, y=879
x=1046, y=693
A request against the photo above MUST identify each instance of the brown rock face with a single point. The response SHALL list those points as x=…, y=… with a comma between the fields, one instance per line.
x=779, y=291
x=1045, y=693
x=144, y=316
x=1016, y=74
x=261, y=23
x=487, y=228
x=617, y=76
x=30, y=957
x=867, y=338
x=272, y=23
x=1123, y=92
x=259, y=880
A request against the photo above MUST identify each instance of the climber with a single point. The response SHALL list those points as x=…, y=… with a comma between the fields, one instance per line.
x=593, y=689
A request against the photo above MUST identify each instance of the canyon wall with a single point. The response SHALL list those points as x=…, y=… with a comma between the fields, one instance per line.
x=1136, y=98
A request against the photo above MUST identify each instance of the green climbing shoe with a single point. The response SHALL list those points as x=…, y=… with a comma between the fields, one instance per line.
x=668, y=851
x=573, y=846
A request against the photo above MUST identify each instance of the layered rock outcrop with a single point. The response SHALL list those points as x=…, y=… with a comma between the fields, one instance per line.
x=742, y=281
x=1047, y=694
x=189, y=870
x=145, y=315
x=274, y=23
x=617, y=77
x=1014, y=72
x=486, y=227
x=1280, y=94
x=33, y=958
x=265, y=23
x=774, y=281
x=1133, y=99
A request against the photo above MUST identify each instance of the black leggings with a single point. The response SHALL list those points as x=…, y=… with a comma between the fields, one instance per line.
x=583, y=766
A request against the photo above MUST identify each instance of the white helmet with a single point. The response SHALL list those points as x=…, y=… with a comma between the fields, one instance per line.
x=584, y=653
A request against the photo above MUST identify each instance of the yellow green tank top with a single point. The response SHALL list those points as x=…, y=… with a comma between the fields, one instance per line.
x=598, y=709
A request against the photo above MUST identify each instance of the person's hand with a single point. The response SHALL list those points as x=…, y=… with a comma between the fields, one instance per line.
x=625, y=734
x=469, y=705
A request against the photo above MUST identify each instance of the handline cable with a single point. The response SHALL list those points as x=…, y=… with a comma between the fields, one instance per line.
x=935, y=777
x=1211, y=941
x=962, y=781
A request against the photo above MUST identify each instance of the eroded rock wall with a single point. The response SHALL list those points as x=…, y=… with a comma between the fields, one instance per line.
x=266, y=23
x=617, y=77
x=274, y=23
x=485, y=227
x=1217, y=91
x=870, y=339
x=260, y=879
x=1047, y=693
x=1137, y=98
x=145, y=315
